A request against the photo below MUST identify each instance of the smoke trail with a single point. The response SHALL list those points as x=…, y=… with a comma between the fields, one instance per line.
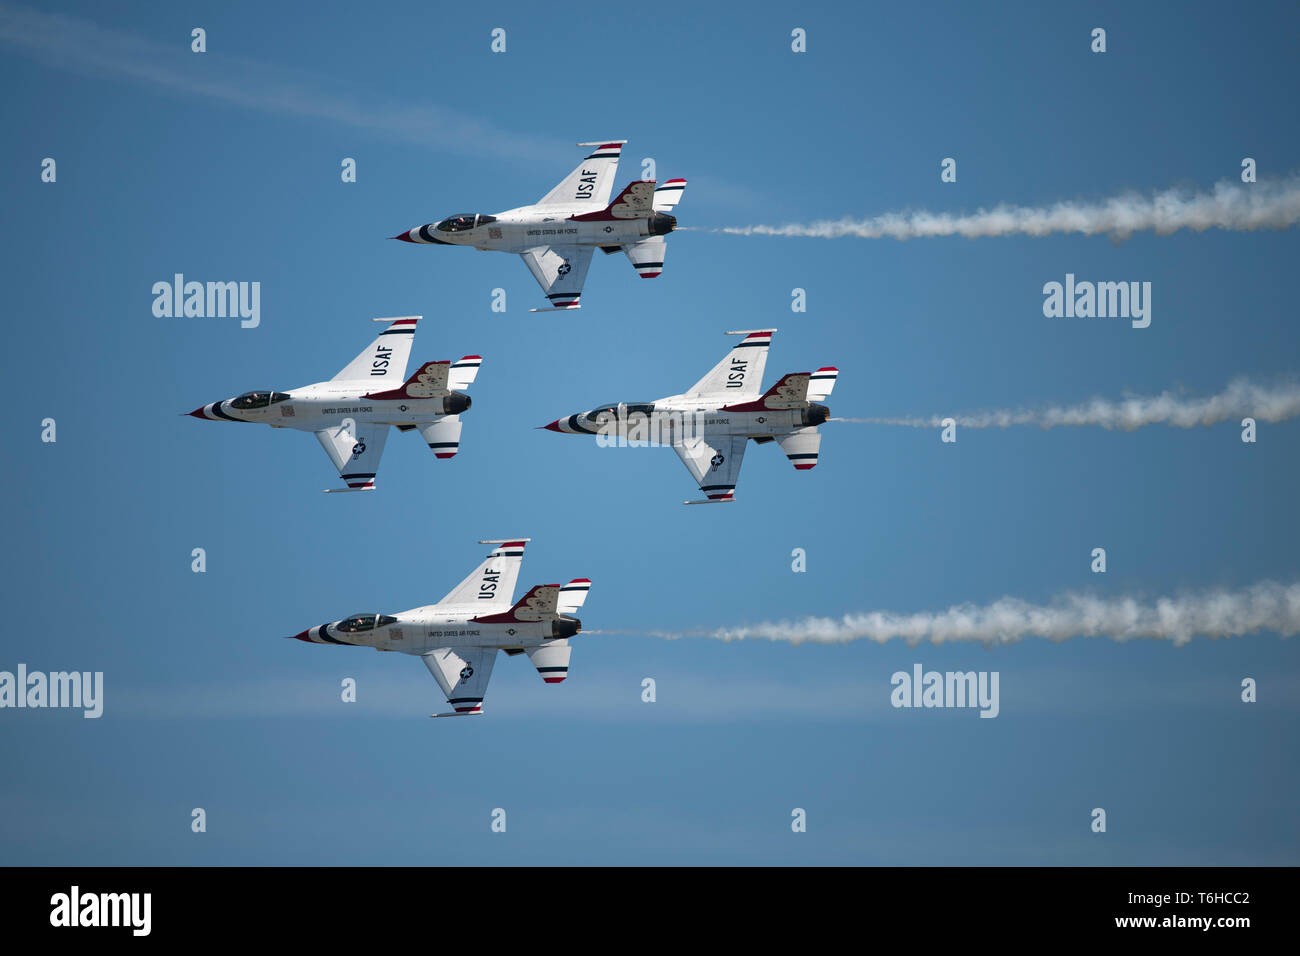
x=1267, y=606
x=1272, y=403
x=1240, y=207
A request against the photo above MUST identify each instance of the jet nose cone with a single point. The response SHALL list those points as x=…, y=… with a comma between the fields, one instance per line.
x=404, y=236
x=553, y=426
x=300, y=636
x=198, y=412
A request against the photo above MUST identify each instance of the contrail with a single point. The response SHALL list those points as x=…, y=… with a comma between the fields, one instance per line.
x=1267, y=606
x=1239, y=207
x=1269, y=403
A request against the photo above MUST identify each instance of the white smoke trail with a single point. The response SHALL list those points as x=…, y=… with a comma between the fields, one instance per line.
x=1268, y=403
x=1267, y=606
x=1240, y=207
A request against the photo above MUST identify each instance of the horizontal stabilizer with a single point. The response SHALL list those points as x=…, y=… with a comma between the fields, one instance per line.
x=552, y=660
x=464, y=371
x=647, y=256
x=801, y=447
x=443, y=436
x=821, y=383
x=573, y=594
x=669, y=195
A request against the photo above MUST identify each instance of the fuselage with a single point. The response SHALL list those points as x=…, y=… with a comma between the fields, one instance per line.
x=434, y=626
x=318, y=406
x=527, y=227
x=679, y=417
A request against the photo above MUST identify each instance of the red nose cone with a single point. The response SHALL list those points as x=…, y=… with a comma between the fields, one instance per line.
x=198, y=412
x=301, y=636
x=405, y=236
x=553, y=426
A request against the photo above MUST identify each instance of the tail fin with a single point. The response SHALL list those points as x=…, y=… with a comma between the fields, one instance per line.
x=429, y=381
x=573, y=594
x=821, y=383
x=636, y=201
x=539, y=604
x=435, y=379
x=669, y=195
x=790, y=392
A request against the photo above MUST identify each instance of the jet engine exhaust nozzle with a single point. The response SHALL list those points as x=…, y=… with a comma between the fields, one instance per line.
x=565, y=627
x=815, y=414
x=661, y=224
x=456, y=402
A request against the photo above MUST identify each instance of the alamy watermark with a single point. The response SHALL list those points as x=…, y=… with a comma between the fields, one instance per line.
x=73, y=689
x=208, y=300
x=948, y=689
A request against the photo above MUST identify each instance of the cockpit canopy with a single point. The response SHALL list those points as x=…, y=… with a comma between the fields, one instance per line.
x=623, y=408
x=257, y=399
x=464, y=222
x=365, y=622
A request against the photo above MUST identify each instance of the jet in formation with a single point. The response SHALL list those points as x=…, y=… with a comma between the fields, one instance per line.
x=458, y=638
x=710, y=425
x=351, y=413
x=557, y=235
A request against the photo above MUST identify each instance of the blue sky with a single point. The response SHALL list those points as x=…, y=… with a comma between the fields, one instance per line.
x=225, y=166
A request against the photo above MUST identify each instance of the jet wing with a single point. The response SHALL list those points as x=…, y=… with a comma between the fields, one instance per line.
x=355, y=450
x=491, y=585
x=463, y=674
x=383, y=362
x=713, y=463
x=561, y=271
x=740, y=373
x=588, y=187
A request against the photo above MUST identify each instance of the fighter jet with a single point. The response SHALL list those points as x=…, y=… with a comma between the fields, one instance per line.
x=557, y=236
x=710, y=425
x=458, y=638
x=350, y=413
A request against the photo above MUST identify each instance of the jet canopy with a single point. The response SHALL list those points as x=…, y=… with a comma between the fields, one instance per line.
x=365, y=622
x=623, y=409
x=464, y=222
x=258, y=399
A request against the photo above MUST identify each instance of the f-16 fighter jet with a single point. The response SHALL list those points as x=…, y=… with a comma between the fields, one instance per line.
x=557, y=235
x=710, y=425
x=350, y=413
x=458, y=638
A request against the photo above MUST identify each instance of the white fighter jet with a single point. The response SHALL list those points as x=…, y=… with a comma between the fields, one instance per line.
x=458, y=638
x=710, y=424
x=557, y=236
x=350, y=413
